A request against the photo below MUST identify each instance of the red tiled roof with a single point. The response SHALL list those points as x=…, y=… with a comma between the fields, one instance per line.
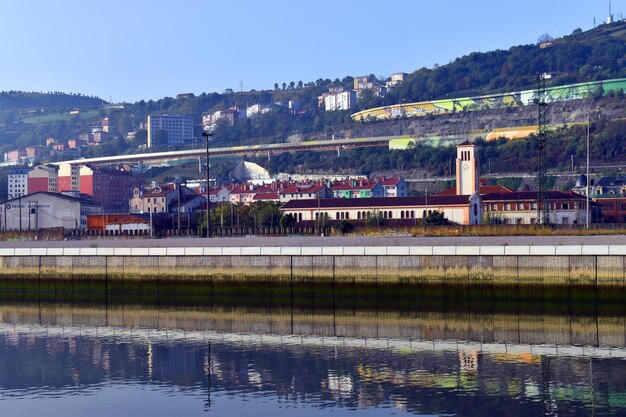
x=389, y=181
x=266, y=196
x=243, y=190
x=455, y=200
x=299, y=188
x=165, y=190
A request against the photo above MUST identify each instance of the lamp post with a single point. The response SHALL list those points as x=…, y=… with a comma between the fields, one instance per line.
x=587, y=214
x=207, y=134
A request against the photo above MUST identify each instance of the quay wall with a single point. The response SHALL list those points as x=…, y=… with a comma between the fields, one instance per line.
x=154, y=268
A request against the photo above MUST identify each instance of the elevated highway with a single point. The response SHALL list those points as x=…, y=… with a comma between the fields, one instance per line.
x=269, y=149
x=336, y=145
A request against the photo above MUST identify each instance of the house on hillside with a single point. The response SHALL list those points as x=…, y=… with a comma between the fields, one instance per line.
x=304, y=191
x=357, y=189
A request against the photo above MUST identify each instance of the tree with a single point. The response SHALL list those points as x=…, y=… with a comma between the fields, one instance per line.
x=300, y=84
x=344, y=227
x=292, y=85
x=284, y=86
x=287, y=220
x=9, y=119
x=141, y=138
x=435, y=218
x=544, y=38
x=124, y=125
x=160, y=138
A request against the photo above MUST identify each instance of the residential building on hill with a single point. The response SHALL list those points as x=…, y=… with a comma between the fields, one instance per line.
x=307, y=191
x=17, y=155
x=173, y=129
x=396, y=78
x=357, y=189
x=345, y=100
x=394, y=187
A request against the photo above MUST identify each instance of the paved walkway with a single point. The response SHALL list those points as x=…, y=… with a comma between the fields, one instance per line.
x=282, y=241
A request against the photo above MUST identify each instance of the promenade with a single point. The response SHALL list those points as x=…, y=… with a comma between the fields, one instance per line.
x=331, y=241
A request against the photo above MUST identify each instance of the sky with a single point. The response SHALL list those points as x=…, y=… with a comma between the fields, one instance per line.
x=129, y=50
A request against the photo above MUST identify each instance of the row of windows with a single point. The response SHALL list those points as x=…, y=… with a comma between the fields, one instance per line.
x=532, y=206
x=465, y=155
x=363, y=215
x=533, y=220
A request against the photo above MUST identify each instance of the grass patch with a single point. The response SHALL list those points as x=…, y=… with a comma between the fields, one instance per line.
x=53, y=117
x=485, y=230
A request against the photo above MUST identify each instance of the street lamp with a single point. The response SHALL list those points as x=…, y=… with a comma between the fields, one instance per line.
x=207, y=133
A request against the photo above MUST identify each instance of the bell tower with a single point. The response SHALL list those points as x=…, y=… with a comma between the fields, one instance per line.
x=466, y=169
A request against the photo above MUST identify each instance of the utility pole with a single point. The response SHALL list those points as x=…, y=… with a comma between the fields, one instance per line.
x=207, y=134
x=543, y=205
x=588, y=179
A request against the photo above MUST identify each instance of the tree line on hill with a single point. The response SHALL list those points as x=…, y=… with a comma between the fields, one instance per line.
x=607, y=145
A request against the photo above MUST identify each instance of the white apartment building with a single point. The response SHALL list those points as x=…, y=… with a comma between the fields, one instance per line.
x=345, y=100
x=178, y=129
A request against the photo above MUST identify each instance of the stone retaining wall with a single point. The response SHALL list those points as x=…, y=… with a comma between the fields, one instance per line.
x=152, y=269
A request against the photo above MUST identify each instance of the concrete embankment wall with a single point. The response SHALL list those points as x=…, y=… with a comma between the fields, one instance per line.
x=155, y=268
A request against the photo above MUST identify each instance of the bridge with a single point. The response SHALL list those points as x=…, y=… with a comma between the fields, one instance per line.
x=269, y=149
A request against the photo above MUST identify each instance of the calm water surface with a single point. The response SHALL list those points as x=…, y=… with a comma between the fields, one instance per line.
x=323, y=357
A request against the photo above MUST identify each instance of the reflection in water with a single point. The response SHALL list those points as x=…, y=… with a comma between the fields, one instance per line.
x=281, y=355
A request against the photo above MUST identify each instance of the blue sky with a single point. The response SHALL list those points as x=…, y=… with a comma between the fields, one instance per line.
x=130, y=50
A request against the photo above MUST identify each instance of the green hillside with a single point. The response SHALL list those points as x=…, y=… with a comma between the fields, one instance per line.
x=19, y=100
x=598, y=54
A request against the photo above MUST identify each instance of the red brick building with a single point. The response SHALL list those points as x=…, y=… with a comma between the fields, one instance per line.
x=112, y=188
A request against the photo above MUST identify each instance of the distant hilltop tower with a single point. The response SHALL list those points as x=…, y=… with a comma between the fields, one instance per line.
x=466, y=169
x=609, y=19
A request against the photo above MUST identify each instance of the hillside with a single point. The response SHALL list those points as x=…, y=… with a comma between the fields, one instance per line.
x=597, y=54
x=582, y=56
x=18, y=100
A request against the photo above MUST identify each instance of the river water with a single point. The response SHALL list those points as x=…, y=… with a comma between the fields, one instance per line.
x=113, y=356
